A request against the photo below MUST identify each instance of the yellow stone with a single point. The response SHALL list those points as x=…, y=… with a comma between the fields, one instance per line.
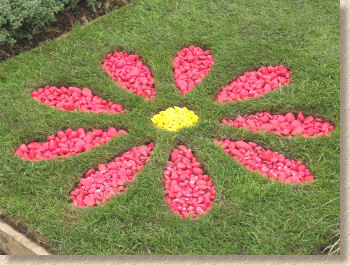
x=175, y=118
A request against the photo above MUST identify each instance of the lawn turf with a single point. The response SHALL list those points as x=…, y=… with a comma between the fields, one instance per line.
x=250, y=215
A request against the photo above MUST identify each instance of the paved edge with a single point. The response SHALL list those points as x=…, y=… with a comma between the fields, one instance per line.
x=13, y=242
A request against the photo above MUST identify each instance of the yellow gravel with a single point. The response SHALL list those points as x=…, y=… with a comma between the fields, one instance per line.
x=175, y=118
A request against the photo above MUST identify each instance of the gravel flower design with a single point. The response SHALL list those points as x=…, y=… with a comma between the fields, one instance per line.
x=188, y=190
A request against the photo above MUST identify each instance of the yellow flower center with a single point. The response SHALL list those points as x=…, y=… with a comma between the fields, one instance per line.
x=175, y=118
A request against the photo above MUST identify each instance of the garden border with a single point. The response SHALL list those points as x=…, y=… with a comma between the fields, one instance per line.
x=13, y=242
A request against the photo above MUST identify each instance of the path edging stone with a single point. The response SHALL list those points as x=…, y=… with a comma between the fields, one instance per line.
x=13, y=242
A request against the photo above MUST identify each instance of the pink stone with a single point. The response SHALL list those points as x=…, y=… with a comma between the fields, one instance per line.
x=190, y=66
x=281, y=125
x=268, y=164
x=190, y=187
x=130, y=73
x=76, y=142
x=99, y=186
x=254, y=84
x=73, y=99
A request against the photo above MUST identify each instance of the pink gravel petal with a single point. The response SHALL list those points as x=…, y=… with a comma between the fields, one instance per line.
x=130, y=73
x=191, y=65
x=188, y=191
x=284, y=125
x=73, y=99
x=269, y=164
x=66, y=144
x=99, y=186
x=254, y=84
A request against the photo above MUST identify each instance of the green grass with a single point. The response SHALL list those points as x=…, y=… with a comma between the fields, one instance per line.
x=250, y=215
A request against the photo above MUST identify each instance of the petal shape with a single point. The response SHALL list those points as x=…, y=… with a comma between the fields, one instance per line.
x=130, y=73
x=67, y=143
x=254, y=84
x=98, y=186
x=269, y=164
x=190, y=66
x=284, y=125
x=73, y=99
x=188, y=191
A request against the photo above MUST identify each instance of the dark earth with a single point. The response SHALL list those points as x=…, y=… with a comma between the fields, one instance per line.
x=64, y=22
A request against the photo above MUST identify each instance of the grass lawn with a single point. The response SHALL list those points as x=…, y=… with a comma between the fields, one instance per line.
x=250, y=214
